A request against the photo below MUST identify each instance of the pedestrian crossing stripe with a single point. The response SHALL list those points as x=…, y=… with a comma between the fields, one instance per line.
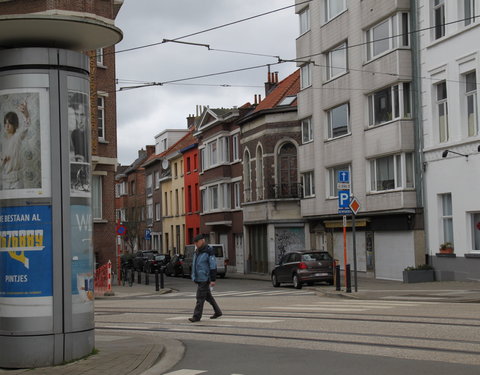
x=235, y=320
x=249, y=293
x=186, y=372
x=351, y=306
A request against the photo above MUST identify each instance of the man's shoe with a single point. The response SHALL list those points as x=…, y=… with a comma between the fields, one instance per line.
x=193, y=320
x=215, y=316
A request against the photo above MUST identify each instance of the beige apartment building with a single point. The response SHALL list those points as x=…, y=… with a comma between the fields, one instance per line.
x=355, y=108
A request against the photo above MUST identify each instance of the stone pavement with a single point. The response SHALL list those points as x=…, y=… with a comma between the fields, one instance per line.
x=135, y=354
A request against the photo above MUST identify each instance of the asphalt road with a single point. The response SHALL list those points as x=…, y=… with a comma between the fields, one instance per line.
x=285, y=331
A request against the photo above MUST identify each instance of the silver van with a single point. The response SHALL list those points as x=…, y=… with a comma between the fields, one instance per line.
x=219, y=254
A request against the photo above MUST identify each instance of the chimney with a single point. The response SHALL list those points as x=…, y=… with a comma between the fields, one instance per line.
x=272, y=81
x=255, y=100
x=150, y=150
x=190, y=121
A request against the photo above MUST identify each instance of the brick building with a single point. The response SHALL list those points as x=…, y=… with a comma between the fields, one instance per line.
x=221, y=215
x=270, y=136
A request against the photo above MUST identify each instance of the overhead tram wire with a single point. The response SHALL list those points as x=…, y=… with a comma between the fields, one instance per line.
x=210, y=29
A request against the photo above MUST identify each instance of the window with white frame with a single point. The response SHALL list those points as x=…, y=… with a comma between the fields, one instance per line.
x=235, y=151
x=158, y=212
x=442, y=111
x=471, y=103
x=389, y=104
x=338, y=121
x=439, y=18
x=216, y=152
x=392, y=172
x=247, y=177
x=99, y=56
x=216, y=198
x=446, y=217
x=149, y=184
x=236, y=195
x=149, y=209
x=97, y=197
x=304, y=19
x=475, y=231
x=305, y=76
x=388, y=35
x=156, y=177
x=308, y=184
x=101, y=116
x=203, y=157
x=469, y=9
x=333, y=8
x=337, y=61
x=307, y=130
x=120, y=189
x=259, y=173
x=333, y=179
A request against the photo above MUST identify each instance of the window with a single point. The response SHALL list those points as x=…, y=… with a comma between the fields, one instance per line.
x=149, y=209
x=338, y=121
x=156, y=177
x=120, y=189
x=99, y=56
x=247, y=177
x=149, y=184
x=387, y=35
x=177, y=203
x=471, y=102
x=188, y=165
x=236, y=153
x=189, y=198
x=195, y=162
x=175, y=170
x=202, y=157
x=439, y=18
x=337, y=61
x=236, y=193
x=101, y=116
x=132, y=187
x=469, y=11
x=158, y=212
x=333, y=178
x=216, y=152
x=306, y=76
x=442, y=111
x=307, y=130
x=287, y=100
x=389, y=104
x=166, y=204
x=212, y=153
x=304, y=18
x=216, y=197
x=446, y=218
x=392, y=172
x=97, y=197
x=259, y=173
x=308, y=185
x=333, y=8
x=476, y=231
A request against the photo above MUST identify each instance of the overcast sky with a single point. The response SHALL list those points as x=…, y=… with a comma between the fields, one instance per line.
x=145, y=112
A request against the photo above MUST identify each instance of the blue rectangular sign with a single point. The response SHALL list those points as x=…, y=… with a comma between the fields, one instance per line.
x=344, y=176
x=26, y=251
x=343, y=198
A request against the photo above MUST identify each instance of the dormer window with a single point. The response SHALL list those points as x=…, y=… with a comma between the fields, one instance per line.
x=288, y=100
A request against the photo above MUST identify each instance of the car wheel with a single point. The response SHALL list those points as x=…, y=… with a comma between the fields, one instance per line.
x=297, y=284
x=275, y=282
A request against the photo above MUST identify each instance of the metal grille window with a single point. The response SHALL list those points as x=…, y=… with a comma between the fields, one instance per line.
x=471, y=102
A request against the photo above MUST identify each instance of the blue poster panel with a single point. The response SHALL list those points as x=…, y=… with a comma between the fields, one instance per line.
x=26, y=251
x=82, y=254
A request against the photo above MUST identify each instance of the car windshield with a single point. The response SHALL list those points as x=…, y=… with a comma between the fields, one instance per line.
x=315, y=256
x=218, y=251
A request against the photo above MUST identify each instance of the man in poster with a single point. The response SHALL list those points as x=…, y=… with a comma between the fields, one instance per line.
x=77, y=103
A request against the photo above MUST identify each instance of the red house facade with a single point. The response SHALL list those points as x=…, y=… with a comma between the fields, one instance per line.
x=192, y=192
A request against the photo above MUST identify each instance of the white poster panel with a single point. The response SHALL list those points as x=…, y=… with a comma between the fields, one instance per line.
x=24, y=144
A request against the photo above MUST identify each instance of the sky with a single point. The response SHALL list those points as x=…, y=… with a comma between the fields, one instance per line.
x=145, y=112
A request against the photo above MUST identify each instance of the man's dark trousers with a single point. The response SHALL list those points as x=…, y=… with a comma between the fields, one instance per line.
x=204, y=294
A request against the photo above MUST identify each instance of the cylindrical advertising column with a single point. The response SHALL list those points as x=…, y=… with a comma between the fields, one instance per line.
x=46, y=256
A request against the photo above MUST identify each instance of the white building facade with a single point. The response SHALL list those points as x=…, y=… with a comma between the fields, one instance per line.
x=356, y=110
x=450, y=63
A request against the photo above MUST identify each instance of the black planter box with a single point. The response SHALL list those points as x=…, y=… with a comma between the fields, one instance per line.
x=418, y=276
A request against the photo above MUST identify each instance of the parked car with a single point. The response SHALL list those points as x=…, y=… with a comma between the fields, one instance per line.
x=175, y=266
x=303, y=267
x=140, y=257
x=219, y=255
x=156, y=262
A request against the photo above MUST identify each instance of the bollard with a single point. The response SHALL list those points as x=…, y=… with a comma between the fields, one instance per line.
x=348, y=287
x=147, y=278
x=156, y=280
x=162, y=272
x=139, y=277
x=337, y=278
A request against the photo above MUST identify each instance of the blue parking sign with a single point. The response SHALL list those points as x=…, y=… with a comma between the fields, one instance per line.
x=343, y=176
x=343, y=199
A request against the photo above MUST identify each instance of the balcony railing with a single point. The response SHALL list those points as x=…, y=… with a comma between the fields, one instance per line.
x=285, y=191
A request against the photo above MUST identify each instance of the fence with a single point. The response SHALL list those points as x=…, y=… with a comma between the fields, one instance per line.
x=103, y=280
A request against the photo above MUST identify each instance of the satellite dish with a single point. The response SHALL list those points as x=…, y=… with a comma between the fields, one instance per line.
x=164, y=163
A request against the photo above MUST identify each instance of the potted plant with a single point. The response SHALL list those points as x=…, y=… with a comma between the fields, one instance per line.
x=419, y=274
x=446, y=248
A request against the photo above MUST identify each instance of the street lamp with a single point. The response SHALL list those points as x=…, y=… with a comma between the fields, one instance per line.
x=445, y=153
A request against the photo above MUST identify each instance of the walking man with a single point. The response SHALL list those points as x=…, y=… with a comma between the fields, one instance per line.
x=204, y=274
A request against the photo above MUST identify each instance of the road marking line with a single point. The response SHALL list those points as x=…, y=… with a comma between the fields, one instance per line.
x=235, y=320
x=186, y=372
x=315, y=308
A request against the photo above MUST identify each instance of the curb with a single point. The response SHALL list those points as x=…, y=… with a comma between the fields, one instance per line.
x=167, y=359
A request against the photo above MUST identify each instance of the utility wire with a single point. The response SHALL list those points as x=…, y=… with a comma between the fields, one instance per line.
x=211, y=28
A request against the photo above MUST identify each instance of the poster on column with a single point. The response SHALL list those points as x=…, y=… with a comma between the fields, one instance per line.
x=24, y=143
x=79, y=134
x=25, y=260
x=82, y=258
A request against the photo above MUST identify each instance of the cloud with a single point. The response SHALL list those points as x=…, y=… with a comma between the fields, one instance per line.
x=143, y=113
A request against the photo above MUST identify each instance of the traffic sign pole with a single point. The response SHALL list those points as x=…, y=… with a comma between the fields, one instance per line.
x=345, y=248
x=354, y=243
